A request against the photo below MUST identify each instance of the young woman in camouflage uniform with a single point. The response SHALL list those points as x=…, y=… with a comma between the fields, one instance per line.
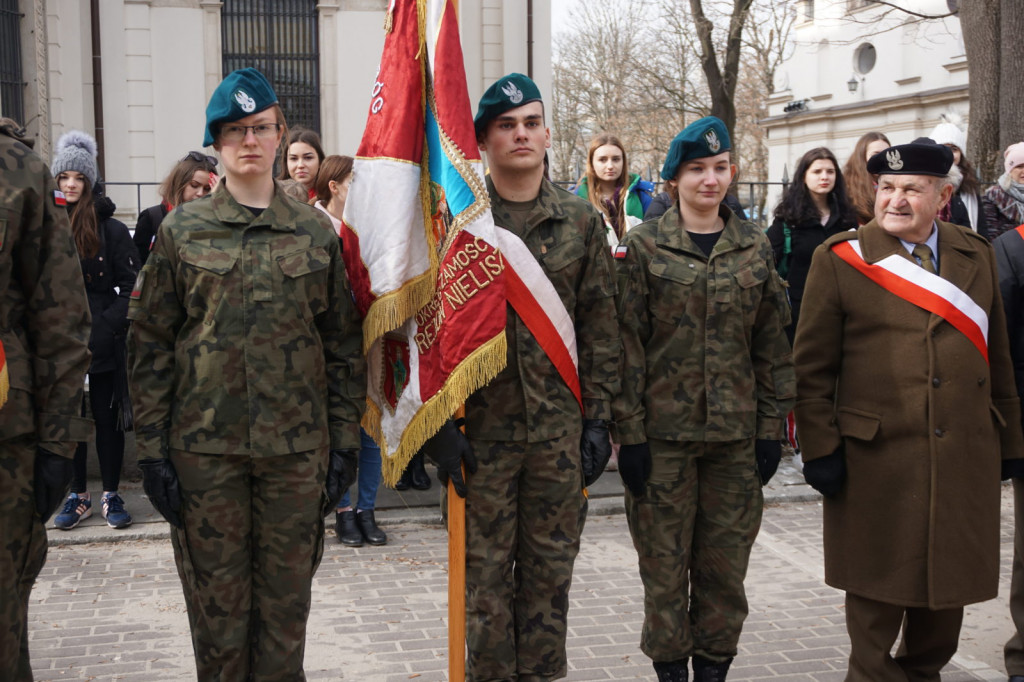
x=250, y=384
x=707, y=381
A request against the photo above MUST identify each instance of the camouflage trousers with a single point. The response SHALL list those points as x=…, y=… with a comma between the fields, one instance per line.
x=22, y=554
x=693, y=531
x=252, y=540
x=524, y=515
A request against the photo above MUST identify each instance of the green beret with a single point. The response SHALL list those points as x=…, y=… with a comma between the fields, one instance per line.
x=242, y=92
x=508, y=92
x=704, y=137
x=921, y=157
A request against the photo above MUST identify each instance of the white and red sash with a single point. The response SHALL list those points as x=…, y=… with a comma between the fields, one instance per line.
x=916, y=285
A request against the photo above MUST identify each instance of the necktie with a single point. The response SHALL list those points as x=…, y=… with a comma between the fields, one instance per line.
x=924, y=254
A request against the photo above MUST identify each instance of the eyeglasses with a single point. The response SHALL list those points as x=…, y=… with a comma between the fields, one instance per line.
x=231, y=133
x=200, y=157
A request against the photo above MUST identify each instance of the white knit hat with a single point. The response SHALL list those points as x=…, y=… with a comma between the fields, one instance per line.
x=76, y=151
x=950, y=131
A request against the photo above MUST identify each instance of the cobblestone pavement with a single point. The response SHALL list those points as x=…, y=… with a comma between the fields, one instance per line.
x=114, y=611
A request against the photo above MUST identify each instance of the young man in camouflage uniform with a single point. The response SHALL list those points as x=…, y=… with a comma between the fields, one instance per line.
x=44, y=318
x=708, y=380
x=534, y=448
x=249, y=386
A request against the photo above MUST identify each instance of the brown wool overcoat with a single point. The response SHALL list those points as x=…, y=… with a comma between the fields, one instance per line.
x=924, y=420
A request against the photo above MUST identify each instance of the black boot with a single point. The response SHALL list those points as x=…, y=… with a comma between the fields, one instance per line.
x=672, y=671
x=420, y=478
x=347, y=530
x=368, y=526
x=405, y=482
x=705, y=670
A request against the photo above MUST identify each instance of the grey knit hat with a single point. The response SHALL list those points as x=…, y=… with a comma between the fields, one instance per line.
x=76, y=151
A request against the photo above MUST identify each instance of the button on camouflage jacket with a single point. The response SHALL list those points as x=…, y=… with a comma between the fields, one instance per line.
x=528, y=400
x=706, y=357
x=44, y=315
x=245, y=338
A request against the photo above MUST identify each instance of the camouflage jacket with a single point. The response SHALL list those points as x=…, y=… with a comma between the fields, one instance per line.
x=528, y=400
x=44, y=315
x=706, y=357
x=245, y=338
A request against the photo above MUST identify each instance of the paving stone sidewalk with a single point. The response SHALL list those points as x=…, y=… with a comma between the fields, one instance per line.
x=114, y=611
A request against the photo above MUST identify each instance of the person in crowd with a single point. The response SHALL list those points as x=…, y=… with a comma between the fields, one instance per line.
x=193, y=177
x=620, y=196
x=702, y=315
x=964, y=208
x=860, y=184
x=528, y=447
x=303, y=155
x=911, y=473
x=813, y=208
x=1003, y=202
x=352, y=526
x=250, y=385
x=664, y=201
x=44, y=341
x=109, y=262
x=1009, y=248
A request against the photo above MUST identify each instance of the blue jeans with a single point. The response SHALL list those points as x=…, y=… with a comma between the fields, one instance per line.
x=369, y=474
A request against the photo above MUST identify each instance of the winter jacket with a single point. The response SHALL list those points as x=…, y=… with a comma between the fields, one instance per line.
x=1002, y=212
x=965, y=211
x=638, y=199
x=145, y=229
x=805, y=238
x=109, y=277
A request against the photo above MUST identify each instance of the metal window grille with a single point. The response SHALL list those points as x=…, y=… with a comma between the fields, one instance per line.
x=12, y=87
x=279, y=38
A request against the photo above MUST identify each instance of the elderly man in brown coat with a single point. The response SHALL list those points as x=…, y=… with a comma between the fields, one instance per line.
x=906, y=407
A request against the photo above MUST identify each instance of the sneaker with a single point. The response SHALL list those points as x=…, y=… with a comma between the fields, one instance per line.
x=114, y=511
x=76, y=509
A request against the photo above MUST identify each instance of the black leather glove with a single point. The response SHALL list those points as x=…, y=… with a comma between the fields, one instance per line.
x=826, y=474
x=1012, y=468
x=52, y=480
x=595, y=449
x=341, y=473
x=635, y=467
x=160, y=481
x=448, y=449
x=768, y=454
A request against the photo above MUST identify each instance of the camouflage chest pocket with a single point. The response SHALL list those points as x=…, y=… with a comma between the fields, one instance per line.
x=305, y=279
x=205, y=271
x=670, y=285
x=751, y=277
x=563, y=263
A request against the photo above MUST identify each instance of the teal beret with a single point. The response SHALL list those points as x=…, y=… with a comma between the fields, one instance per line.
x=921, y=157
x=242, y=92
x=704, y=137
x=508, y=92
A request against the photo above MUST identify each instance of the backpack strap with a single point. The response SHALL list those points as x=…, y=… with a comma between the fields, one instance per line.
x=787, y=250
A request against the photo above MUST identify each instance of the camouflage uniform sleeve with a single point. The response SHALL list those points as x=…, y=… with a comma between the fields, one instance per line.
x=597, y=337
x=57, y=319
x=772, y=355
x=818, y=343
x=635, y=329
x=157, y=314
x=342, y=336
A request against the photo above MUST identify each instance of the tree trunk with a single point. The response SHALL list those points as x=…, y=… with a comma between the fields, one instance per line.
x=1011, y=78
x=980, y=25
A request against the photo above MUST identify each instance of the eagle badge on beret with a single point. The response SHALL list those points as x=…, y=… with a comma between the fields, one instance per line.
x=714, y=144
x=515, y=95
x=894, y=159
x=247, y=103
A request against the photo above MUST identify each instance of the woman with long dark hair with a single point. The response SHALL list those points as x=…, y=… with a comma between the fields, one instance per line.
x=812, y=209
x=859, y=183
x=191, y=178
x=302, y=156
x=110, y=263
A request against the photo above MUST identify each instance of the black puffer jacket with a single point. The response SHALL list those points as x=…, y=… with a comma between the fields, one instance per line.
x=109, y=278
x=806, y=236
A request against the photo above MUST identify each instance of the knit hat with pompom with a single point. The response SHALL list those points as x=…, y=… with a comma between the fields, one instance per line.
x=76, y=151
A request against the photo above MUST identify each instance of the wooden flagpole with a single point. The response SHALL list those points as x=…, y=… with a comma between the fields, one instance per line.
x=457, y=579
